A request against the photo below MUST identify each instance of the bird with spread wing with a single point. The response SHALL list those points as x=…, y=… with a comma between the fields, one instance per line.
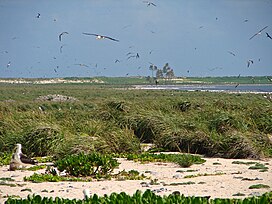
x=100, y=37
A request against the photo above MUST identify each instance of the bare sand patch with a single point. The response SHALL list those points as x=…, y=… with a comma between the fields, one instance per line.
x=217, y=177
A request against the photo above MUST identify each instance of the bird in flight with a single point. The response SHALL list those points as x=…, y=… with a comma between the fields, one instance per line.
x=267, y=35
x=117, y=60
x=237, y=85
x=99, y=37
x=38, y=15
x=61, y=48
x=258, y=33
x=149, y=3
x=249, y=62
x=8, y=65
x=82, y=65
x=231, y=53
x=62, y=34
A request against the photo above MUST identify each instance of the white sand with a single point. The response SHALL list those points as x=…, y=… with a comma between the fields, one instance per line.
x=216, y=186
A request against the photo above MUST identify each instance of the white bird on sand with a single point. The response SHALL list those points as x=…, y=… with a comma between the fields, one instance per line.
x=86, y=193
x=19, y=160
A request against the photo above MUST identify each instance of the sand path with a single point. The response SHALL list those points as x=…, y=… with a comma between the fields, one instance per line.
x=225, y=180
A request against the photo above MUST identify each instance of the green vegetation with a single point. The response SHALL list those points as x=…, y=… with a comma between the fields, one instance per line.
x=147, y=197
x=38, y=178
x=183, y=160
x=180, y=184
x=205, y=174
x=112, y=119
x=130, y=175
x=241, y=162
x=36, y=167
x=94, y=164
x=258, y=186
x=259, y=166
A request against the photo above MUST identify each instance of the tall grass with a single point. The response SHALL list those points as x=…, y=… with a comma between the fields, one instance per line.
x=106, y=119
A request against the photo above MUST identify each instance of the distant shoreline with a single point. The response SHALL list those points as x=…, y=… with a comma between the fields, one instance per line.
x=229, y=88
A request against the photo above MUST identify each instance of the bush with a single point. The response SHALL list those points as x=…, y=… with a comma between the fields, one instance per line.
x=95, y=164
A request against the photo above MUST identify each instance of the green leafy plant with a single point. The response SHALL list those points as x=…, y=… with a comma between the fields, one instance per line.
x=138, y=197
x=94, y=164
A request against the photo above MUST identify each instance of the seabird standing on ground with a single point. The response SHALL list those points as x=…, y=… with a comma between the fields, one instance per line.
x=18, y=159
x=258, y=33
x=62, y=34
x=99, y=37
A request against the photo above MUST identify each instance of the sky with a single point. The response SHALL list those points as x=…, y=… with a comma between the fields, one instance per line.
x=198, y=38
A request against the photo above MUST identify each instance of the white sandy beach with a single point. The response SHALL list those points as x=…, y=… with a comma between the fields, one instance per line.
x=225, y=185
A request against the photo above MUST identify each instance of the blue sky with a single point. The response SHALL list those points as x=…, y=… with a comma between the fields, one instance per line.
x=193, y=36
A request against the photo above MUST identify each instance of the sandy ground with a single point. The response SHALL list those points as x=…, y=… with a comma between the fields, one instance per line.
x=236, y=178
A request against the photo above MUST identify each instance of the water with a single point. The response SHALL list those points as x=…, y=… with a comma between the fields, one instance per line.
x=243, y=88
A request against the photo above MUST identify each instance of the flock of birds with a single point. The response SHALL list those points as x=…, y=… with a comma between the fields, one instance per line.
x=131, y=55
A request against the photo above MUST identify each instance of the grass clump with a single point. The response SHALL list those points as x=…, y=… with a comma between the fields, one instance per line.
x=183, y=160
x=130, y=175
x=258, y=166
x=39, y=178
x=258, y=186
x=205, y=174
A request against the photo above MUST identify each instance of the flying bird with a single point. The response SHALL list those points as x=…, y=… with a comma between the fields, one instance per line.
x=61, y=48
x=237, y=85
x=117, y=60
x=249, y=62
x=267, y=35
x=82, y=65
x=18, y=159
x=62, y=34
x=99, y=37
x=258, y=33
x=9, y=63
x=38, y=15
x=269, y=79
x=231, y=53
x=130, y=53
x=149, y=3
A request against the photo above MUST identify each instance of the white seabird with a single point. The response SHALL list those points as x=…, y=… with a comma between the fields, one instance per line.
x=100, y=37
x=19, y=160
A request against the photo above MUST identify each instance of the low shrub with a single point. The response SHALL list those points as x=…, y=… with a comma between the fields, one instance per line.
x=94, y=164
